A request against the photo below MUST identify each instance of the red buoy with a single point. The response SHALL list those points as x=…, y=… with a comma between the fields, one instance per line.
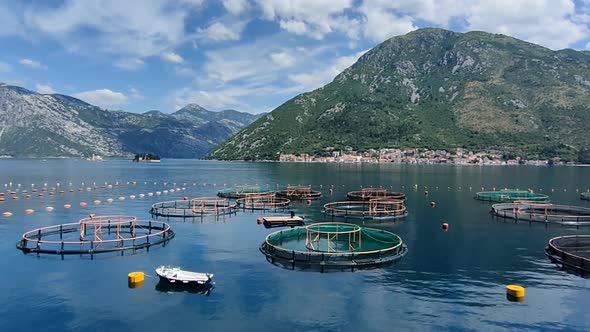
x=259, y=221
x=309, y=202
x=186, y=198
x=445, y=226
x=432, y=204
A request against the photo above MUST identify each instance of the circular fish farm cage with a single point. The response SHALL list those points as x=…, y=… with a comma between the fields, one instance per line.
x=543, y=212
x=375, y=209
x=100, y=234
x=571, y=253
x=367, y=194
x=511, y=195
x=585, y=196
x=243, y=191
x=263, y=202
x=196, y=207
x=299, y=193
x=326, y=246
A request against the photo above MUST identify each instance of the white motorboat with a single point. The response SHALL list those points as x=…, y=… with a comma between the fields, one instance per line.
x=176, y=275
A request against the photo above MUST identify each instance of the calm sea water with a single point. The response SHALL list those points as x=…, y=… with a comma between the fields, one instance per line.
x=448, y=280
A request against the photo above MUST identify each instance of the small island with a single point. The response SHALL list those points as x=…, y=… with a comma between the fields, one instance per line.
x=146, y=158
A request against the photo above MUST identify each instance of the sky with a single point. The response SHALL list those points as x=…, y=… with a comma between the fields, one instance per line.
x=248, y=55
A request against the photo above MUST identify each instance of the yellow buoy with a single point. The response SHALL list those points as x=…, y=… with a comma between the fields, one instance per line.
x=135, y=277
x=515, y=291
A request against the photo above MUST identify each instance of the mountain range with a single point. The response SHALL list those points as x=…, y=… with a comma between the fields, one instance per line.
x=46, y=125
x=437, y=89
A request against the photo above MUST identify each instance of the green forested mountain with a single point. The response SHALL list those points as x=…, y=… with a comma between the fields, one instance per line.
x=437, y=89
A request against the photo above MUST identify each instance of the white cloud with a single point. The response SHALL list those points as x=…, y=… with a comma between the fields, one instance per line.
x=32, y=63
x=551, y=23
x=135, y=94
x=314, y=18
x=133, y=27
x=221, y=32
x=588, y=46
x=318, y=78
x=4, y=67
x=44, y=89
x=103, y=97
x=184, y=71
x=235, y=7
x=171, y=57
x=129, y=63
x=282, y=59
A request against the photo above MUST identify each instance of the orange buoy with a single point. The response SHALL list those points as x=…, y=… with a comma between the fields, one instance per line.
x=7, y=214
x=67, y=206
x=29, y=211
x=432, y=204
x=97, y=202
x=83, y=203
x=259, y=221
x=445, y=226
x=110, y=200
x=49, y=208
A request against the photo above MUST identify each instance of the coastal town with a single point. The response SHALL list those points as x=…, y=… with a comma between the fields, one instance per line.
x=418, y=156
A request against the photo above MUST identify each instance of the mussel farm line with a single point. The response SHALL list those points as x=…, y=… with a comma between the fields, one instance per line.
x=196, y=207
x=546, y=213
x=99, y=234
x=571, y=252
x=332, y=246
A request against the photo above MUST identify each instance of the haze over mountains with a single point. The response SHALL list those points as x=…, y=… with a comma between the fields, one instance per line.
x=437, y=89
x=46, y=125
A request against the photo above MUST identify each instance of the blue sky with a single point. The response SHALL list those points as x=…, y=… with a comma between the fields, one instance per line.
x=249, y=55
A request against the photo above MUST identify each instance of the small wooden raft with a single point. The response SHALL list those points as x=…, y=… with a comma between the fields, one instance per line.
x=282, y=221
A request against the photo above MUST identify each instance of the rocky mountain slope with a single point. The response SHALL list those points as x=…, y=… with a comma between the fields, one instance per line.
x=36, y=125
x=437, y=89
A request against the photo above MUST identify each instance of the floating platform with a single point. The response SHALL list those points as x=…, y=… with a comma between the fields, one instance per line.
x=282, y=221
x=100, y=234
x=375, y=209
x=243, y=191
x=299, y=193
x=511, y=195
x=367, y=194
x=195, y=207
x=263, y=202
x=547, y=213
x=332, y=246
x=571, y=252
x=585, y=196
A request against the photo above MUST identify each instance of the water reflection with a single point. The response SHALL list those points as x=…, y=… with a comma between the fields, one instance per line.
x=166, y=287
